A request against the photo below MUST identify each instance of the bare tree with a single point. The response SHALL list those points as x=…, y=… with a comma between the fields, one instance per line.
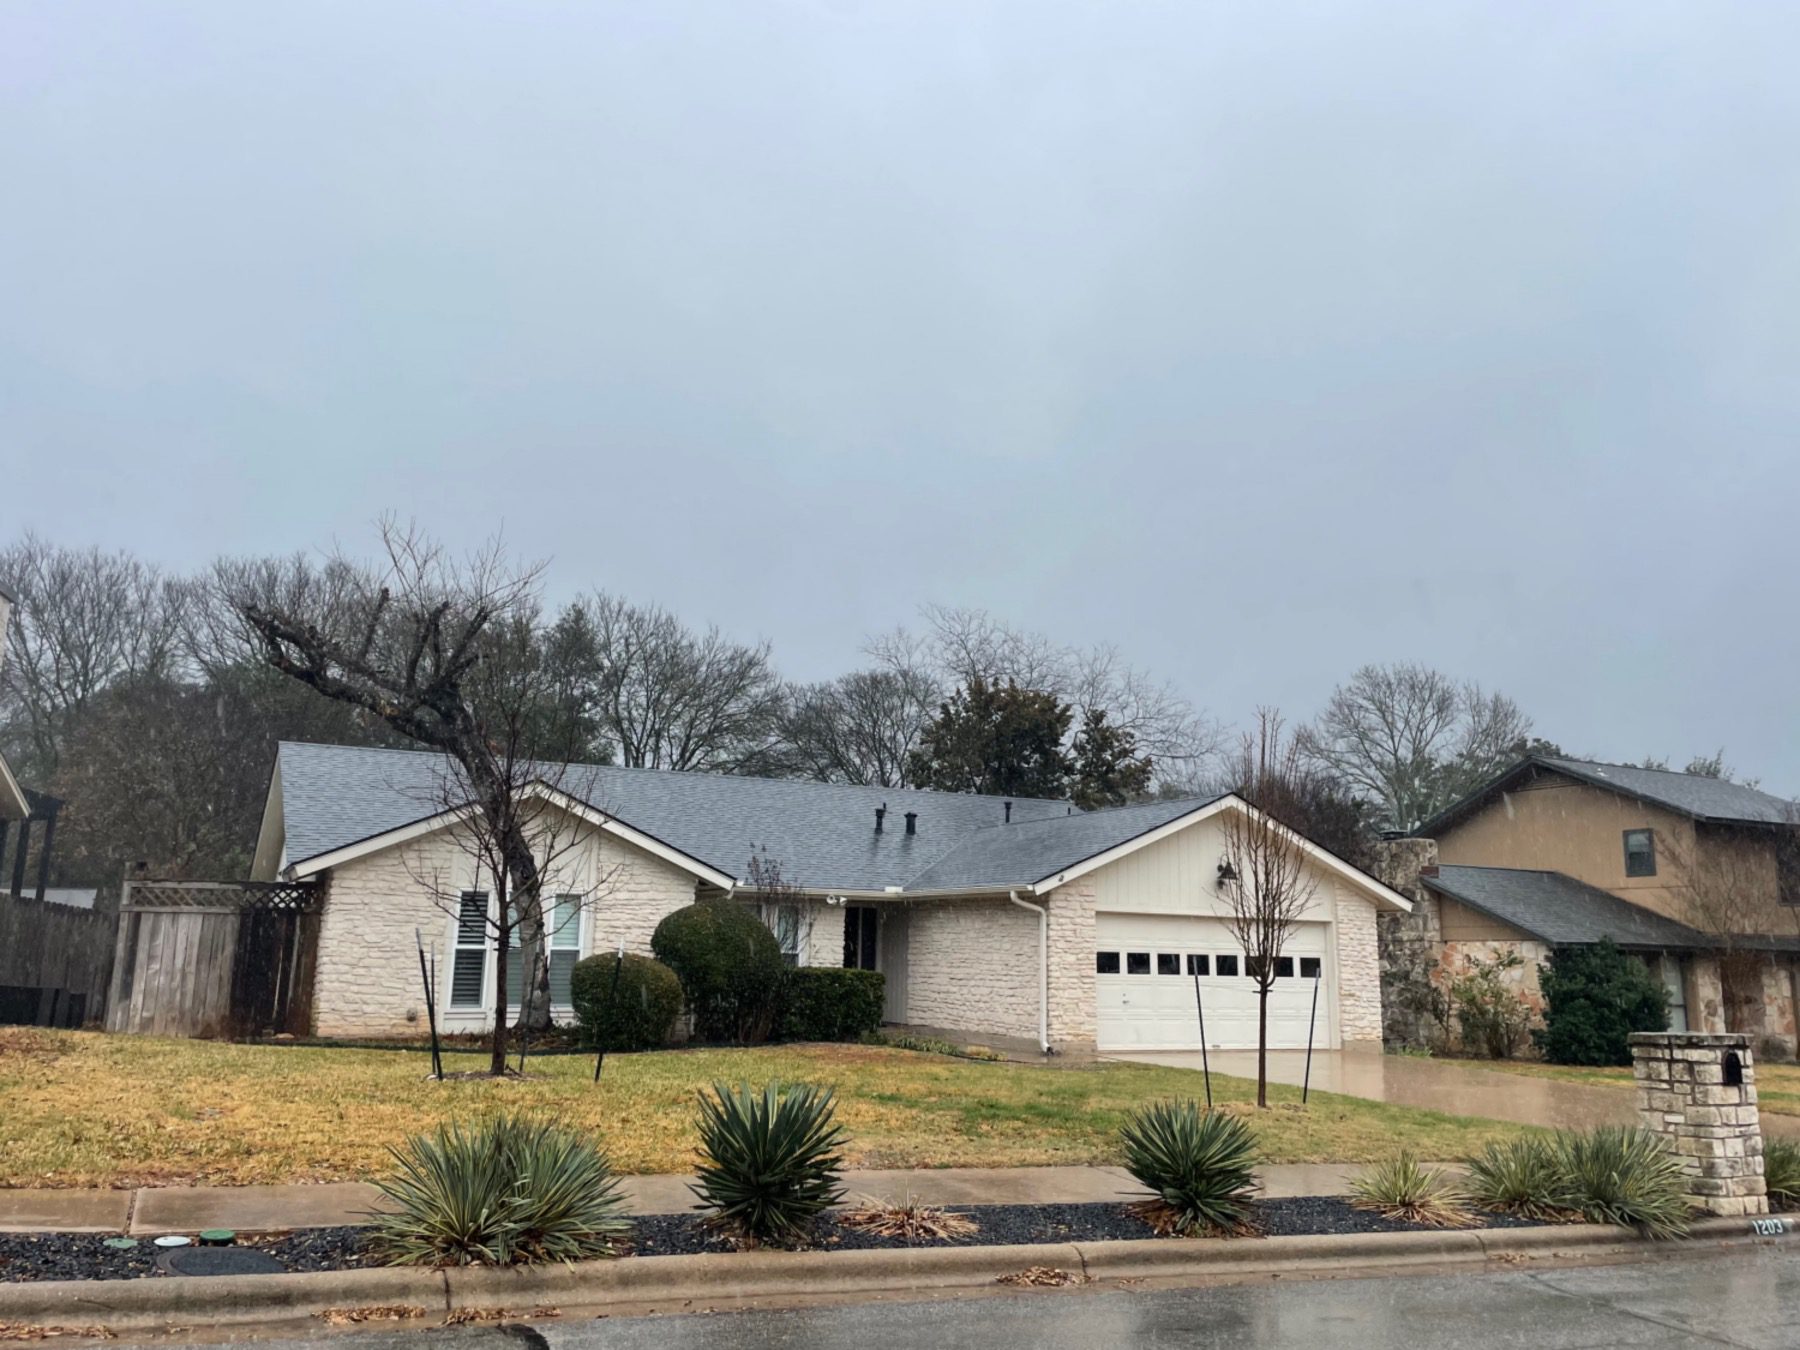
x=782, y=904
x=1736, y=884
x=858, y=728
x=1412, y=739
x=549, y=806
x=84, y=620
x=673, y=698
x=1267, y=882
x=963, y=645
x=405, y=641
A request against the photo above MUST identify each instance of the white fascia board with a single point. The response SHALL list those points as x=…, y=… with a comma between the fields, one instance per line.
x=600, y=820
x=1375, y=890
x=13, y=805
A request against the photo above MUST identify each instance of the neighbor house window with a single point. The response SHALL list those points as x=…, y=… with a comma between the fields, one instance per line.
x=1640, y=853
x=562, y=923
x=862, y=924
x=468, y=967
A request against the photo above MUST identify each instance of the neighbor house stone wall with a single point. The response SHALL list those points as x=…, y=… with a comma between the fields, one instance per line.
x=1359, y=970
x=972, y=965
x=1072, y=943
x=368, y=976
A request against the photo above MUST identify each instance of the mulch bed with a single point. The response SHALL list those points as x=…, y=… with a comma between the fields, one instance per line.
x=85, y=1256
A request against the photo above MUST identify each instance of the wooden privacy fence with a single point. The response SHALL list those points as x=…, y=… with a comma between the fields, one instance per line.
x=55, y=961
x=212, y=958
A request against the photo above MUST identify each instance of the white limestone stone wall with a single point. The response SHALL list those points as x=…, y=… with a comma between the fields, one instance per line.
x=1071, y=982
x=1359, y=969
x=368, y=975
x=972, y=966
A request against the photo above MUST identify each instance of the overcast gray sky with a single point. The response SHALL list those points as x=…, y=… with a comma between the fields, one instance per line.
x=1262, y=340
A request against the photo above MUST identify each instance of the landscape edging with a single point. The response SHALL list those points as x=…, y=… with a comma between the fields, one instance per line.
x=671, y=1280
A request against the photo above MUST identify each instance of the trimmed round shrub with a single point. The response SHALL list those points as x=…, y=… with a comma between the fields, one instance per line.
x=769, y=1160
x=1199, y=1164
x=1594, y=997
x=730, y=969
x=829, y=1003
x=505, y=1192
x=635, y=1014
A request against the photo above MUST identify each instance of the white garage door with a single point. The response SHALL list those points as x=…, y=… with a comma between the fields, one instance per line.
x=1144, y=969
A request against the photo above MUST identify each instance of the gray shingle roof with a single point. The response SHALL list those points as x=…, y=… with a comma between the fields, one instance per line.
x=823, y=834
x=1559, y=909
x=1709, y=799
x=1022, y=854
x=1688, y=793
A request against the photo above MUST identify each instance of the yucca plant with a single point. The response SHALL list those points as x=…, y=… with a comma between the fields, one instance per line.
x=1519, y=1176
x=1614, y=1174
x=506, y=1191
x=769, y=1161
x=1400, y=1188
x=1198, y=1164
x=1781, y=1170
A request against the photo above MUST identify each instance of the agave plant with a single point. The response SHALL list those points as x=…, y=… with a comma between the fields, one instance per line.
x=1519, y=1176
x=769, y=1161
x=1199, y=1164
x=507, y=1191
x=1400, y=1188
x=1781, y=1170
x=1623, y=1176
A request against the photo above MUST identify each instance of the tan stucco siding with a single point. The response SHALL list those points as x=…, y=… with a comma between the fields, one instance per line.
x=1557, y=824
x=368, y=979
x=1459, y=923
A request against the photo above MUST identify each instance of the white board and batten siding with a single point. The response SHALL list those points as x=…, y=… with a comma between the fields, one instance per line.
x=1161, y=918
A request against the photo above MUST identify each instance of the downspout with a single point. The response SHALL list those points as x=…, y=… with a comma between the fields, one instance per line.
x=1043, y=913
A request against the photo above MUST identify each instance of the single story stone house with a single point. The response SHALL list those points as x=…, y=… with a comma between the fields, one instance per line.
x=988, y=917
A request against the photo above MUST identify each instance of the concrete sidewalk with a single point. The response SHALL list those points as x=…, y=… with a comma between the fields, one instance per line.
x=188, y=1209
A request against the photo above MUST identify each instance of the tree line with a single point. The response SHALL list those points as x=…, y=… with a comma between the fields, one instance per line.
x=152, y=703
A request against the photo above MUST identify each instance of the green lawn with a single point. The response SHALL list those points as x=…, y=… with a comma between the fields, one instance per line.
x=1777, y=1085
x=85, y=1109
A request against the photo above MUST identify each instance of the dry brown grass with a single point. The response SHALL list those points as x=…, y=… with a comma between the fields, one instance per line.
x=87, y=1109
x=910, y=1220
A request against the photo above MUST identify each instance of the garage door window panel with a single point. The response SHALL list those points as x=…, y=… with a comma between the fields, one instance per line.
x=1106, y=963
x=1199, y=965
x=1137, y=963
x=1168, y=963
x=1225, y=964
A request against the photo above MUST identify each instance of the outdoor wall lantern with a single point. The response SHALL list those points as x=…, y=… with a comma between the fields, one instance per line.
x=1227, y=873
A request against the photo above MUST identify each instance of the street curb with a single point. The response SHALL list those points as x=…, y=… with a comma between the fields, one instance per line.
x=666, y=1281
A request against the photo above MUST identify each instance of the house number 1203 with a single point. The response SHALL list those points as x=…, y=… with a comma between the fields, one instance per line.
x=1768, y=1227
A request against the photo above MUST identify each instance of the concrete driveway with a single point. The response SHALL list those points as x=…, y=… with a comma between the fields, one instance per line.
x=1458, y=1088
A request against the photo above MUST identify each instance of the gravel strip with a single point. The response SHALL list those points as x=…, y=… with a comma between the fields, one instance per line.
x=85, y=1256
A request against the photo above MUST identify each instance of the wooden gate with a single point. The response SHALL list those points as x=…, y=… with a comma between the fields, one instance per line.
x=219, y=959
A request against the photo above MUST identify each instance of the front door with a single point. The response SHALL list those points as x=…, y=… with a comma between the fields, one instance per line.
x=862, y=947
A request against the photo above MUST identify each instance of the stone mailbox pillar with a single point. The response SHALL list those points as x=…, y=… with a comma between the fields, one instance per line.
x=1698, y=1091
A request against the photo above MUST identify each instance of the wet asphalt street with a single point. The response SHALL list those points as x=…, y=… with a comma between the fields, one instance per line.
x=1747, y=1298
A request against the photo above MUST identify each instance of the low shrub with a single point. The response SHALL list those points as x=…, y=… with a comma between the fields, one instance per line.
x=769, y=1161
x=1623, y=1176
x=1781, y=1173
x=636, y=1013
x=910, y=1220
x=730, y=969
x=828, y=1003
x=1492, y=1016
x=1400, y=1188
x=931, y=1045
x=1519, y=1176
x=1595, y=997
x=1198, y=1165
x=505, y=1192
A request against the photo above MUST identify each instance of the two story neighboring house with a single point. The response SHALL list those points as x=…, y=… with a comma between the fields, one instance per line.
x=1694, y=875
